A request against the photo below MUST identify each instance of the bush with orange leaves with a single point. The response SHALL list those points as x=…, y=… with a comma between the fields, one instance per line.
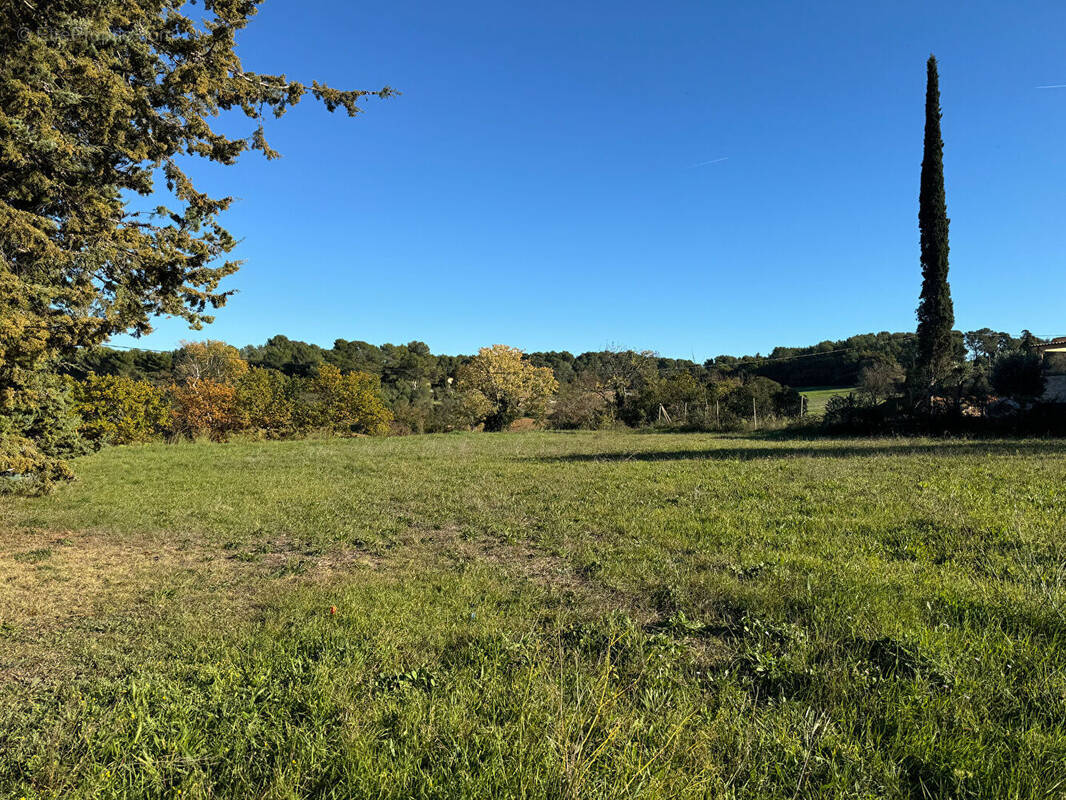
x=274, y=405
x=205, y=407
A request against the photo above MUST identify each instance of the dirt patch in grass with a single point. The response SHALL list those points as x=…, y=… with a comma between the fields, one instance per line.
x=50, y=576
x=517, y=559
x=281, y=556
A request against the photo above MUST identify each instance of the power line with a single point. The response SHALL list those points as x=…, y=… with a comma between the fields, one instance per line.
x=801, y=355
x=740, y=359
x=127, y=347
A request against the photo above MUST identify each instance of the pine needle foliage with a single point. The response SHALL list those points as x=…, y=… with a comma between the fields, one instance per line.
x=104, y=103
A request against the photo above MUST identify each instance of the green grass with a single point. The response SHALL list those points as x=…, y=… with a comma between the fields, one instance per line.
x=818, y=396
x=539, y=615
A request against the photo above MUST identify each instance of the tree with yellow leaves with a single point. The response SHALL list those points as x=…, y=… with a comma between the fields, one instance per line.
x=209, y=360
x=503, y=386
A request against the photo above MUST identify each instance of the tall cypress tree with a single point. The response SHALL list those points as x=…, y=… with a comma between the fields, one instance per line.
x=936, y=315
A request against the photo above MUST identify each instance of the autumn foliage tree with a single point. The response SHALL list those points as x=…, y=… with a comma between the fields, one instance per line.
x=269, y=399
x=207, y=408
x=210, y=359
x=206, y=402
x=100, y=103
x=503, y=386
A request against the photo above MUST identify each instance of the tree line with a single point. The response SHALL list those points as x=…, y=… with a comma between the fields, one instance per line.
x=426, y=392
x=419, y=386
x=286, y=388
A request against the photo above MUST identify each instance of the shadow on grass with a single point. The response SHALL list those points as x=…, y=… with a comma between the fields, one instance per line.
x=853, y=449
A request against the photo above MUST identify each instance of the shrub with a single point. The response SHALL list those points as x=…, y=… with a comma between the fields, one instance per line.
x=206, y=408
x=770, y=399
x=266, y=400
x=581, y=404
x=455, y=411
x=674, y=399
x=43, y=411
x=38, y=429
x=343, y=404
x=120, y=410
x=411, y=417
x=1019, y=375
x=24, y=469
x=856, y=413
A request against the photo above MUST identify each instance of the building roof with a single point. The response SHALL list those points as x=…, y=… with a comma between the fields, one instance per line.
x=1056, y=345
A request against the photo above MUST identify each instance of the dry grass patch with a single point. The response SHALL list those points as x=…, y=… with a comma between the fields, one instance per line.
x=64, y=591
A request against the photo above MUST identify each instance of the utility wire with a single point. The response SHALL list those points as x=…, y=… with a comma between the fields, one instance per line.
x=750, y=359
x=127, y=347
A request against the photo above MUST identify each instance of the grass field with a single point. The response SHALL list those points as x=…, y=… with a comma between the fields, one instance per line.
x=539, y=615
x=818, y=396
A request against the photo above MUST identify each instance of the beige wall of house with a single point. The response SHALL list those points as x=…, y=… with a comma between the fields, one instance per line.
x=1055, y=389
x=1054, y=363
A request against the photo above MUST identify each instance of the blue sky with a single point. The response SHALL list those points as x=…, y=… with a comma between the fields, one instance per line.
x=541, y=181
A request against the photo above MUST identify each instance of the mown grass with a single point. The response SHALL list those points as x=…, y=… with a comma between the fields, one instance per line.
x=540, y=615
x=818, y=396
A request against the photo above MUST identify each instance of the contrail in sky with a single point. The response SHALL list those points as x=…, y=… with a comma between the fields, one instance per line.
x=1053, y=86
x=705, y=163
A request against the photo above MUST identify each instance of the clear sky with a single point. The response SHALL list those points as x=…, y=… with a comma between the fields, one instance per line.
x=693, y=178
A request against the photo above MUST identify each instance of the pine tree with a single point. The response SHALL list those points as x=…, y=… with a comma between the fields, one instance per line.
x=103, y=101
x=936, y=315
